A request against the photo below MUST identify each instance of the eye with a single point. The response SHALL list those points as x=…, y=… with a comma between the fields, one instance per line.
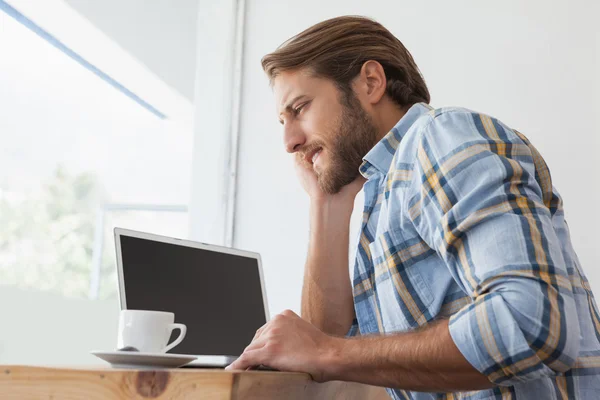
x=299, y=108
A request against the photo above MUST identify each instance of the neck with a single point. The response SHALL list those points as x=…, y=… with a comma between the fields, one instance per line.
x=387, y=117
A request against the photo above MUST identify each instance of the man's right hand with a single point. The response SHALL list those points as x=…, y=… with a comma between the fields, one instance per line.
x=309, y=181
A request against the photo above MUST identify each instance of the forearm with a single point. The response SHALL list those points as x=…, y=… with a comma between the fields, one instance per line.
x=327, y=292
x=424, y=360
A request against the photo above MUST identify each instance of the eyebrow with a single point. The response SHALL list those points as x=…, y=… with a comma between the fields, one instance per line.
x=288, y=108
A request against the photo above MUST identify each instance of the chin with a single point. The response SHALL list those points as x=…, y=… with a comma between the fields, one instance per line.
x=327, y=189
x=332, y=184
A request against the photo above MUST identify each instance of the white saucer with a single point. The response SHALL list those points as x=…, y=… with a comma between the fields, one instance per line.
x=133, y=359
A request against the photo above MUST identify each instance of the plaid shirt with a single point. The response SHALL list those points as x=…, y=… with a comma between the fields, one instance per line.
x=461, y=221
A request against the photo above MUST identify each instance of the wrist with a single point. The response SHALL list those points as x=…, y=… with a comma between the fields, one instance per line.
x=334, y=360
x=339, y=205
x=330, y=218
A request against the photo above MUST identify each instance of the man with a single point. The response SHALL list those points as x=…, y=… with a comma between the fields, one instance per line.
x=465, y=281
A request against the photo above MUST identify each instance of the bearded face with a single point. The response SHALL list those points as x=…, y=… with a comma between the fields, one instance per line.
x=325, y=126
x=352, y=138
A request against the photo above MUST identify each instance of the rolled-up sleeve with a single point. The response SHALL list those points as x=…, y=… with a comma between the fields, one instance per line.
x=481, y=196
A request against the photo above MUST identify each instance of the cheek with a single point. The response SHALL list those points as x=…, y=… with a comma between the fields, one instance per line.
x=320, y=128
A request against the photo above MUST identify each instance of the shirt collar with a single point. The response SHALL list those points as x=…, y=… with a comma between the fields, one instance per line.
x=379, y=158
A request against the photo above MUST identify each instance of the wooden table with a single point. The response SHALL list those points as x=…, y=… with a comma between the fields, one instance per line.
x=30, y=382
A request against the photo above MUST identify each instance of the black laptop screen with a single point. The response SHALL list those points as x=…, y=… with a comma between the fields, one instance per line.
x=217, y=296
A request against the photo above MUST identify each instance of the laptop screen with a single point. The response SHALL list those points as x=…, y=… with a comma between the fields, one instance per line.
x=218, y=296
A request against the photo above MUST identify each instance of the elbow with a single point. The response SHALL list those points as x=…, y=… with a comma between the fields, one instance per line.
x=536, y=333
x=564, y=353
x=554, y=333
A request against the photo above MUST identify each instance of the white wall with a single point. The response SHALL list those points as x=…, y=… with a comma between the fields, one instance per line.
x=47, y=329
x=159, y=33
x=531, y=64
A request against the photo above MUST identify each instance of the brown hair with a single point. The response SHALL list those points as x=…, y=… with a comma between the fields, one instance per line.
x=337, y=49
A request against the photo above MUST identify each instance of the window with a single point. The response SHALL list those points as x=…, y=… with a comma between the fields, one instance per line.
x=80, y=154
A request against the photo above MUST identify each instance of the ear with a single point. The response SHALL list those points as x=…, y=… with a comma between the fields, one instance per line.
x=373, y=81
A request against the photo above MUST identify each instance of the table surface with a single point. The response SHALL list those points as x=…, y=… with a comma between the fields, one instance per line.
x=36, y=382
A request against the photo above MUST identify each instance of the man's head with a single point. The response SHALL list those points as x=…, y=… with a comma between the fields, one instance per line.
x=337, y=84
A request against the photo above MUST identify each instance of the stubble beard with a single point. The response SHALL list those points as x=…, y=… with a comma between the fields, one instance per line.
x=355, y=136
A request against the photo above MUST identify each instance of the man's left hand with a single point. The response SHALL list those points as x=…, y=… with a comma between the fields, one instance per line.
x=289, y=343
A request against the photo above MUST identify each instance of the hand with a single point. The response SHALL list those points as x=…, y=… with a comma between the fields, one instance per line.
x=308, y=180
x=289, y=343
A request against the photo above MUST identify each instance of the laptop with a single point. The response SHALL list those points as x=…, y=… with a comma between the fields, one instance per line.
x=217, y=292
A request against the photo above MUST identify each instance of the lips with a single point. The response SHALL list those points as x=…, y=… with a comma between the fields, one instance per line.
x=316, y=155
x=311, y=156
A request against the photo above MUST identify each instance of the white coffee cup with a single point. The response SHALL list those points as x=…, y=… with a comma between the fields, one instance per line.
x=148, y=331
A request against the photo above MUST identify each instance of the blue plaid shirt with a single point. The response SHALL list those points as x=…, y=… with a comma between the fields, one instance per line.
x=461, y=221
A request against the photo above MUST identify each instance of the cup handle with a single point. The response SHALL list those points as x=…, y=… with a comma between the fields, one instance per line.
x=182, y=331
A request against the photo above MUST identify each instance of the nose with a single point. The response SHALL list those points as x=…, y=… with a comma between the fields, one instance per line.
x=293, y=138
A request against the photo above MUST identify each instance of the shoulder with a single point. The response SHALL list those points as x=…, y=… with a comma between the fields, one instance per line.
x=447, y=128
x=457, y=120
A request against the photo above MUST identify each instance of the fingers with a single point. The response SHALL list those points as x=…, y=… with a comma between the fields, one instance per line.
x=299, y=158
x=258, y=347
x=289, y=313
x=260, y=340
x=246, y=360
x=302, y=163
x=268, y=325
x=256, y=344
x=259, y=331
